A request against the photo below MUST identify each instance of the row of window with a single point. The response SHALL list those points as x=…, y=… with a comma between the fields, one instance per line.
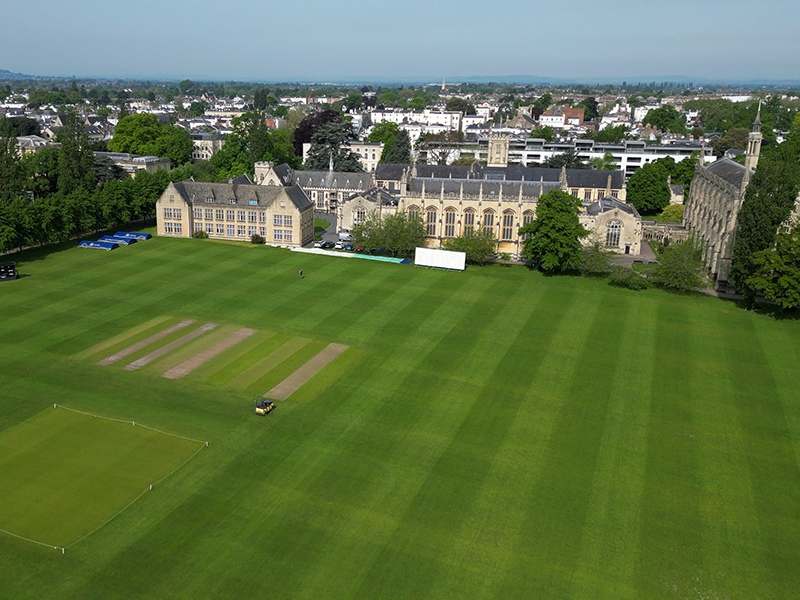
x=250, y=216
x=170, y=227
x=172, y=213
x=281, y=235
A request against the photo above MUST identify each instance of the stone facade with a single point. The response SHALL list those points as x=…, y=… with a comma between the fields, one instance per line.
x=283, y=216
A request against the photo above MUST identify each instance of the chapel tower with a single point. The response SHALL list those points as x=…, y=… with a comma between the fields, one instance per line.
x=754, y=142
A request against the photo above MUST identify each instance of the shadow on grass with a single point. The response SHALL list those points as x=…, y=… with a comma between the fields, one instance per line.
x=35, y=253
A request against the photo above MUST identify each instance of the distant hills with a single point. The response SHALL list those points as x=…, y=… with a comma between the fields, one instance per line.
x=501, y=79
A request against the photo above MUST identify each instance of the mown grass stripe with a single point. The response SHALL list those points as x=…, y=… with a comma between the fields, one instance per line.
x=672, y=519
x=610, y=540
x=255, y=372
x=97, y=348
x=127, y=351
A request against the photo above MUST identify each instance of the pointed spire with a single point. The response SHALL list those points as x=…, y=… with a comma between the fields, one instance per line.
x=757, y=122
x=330, y=161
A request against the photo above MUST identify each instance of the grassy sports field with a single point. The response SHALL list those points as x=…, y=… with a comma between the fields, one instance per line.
x=487, y=434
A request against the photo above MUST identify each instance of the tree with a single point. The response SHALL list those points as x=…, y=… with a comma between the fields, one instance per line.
x=260, y=99
x=568, y=159
x=398, y=233
x=606, y=163
x=354, y=102
x=666, y=118
x=307, y=127
x=596, y=260
x=553, y=239
x=671, y=214
x=776, y=273
x=384, y=133
x=460, y=105
x=736, y=138
x=680, y=266
x=545, y=133
x=400, y=151
x=12, y=170
x=186, y=86
x=648, y=190
x=591, y=110
x=143, y=134
x=441, y=147
x=768, y=202
x=198, y=108
x=252, y=141
x=331, y=142
x=23, y=126
x=611, y=135
x=479, y=245
x=544, y=101
x=75, y=159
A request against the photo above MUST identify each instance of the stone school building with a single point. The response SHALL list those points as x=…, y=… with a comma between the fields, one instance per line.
x=283, y=216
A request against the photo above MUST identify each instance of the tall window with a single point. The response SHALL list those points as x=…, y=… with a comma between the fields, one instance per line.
x=198, y=213
x=277, y=220
x=262, y=217
x=469, y=221
x=527, y=217
x=430, y=228
x=287, y=220
x=229, y=215
x=177, y=213
x=219, y=214
x=587, y=195
x=209, y=214
x=613, y=229
x=361, y=216
x=413, y=212
x=488, y=221
x=251, y=216
x=450, y=223
x=508, y=225
x=240, y=215
x=167, y=213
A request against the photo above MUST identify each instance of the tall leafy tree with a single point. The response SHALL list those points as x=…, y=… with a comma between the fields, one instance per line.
x=143, y=134
x=553, y=239
x=648, y=190
x=398, y=234
x=680, y=266
x=666, y=118
x=75, y=158
x=768, y=202
x=776, y=273
x=400, y=150
x=306, y=128
x=332, y=143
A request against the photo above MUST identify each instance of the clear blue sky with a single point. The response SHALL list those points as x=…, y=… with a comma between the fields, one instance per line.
x=323, y=40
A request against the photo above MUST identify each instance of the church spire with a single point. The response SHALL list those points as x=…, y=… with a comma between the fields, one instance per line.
x=754, y=143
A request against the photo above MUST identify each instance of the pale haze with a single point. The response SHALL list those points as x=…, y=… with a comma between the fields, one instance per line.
x=311, y=40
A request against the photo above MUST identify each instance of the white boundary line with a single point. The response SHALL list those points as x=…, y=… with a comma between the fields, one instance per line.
x=126, y=507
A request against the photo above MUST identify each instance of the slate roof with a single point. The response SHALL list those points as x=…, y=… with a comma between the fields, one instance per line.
x=196, y=192
x=582, y=178
x=389, y=171
x=284, y=173
x=333, y=180
x=377, y=194
x=678, y=190
x=509, y=189
x=608, y=203
x=728, y=170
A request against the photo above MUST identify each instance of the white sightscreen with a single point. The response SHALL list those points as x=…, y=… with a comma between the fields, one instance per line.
x=441, y=259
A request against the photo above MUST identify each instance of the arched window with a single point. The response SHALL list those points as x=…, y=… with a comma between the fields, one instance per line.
x=469, y=221
x=430, y=222
x=488, y=221
x=450, y=222
x=508, y=225
x=413, y=212
x=361, y=215
x=527, y=218
x=613, y=229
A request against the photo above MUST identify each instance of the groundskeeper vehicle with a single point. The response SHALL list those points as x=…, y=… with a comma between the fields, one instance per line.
x=264, y=406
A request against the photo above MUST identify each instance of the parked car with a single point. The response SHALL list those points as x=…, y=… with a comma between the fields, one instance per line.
x=338, y=246
x=327, y=245
x=359, y=249
x=318, y=244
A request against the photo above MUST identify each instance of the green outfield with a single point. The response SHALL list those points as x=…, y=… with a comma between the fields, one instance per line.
x=488, y=434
